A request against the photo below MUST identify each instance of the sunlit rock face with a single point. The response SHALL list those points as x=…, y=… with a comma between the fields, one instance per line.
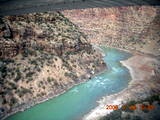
x=132, y=27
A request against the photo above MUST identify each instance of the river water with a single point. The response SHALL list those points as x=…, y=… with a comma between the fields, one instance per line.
x=81, y=99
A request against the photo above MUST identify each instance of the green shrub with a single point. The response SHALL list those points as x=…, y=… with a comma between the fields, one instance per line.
x=29, y=74
x=34, y=62
x=18, y=76
x=25, y=90
x=48, y=79
x=3, y=70
x=13, y=101
x=7, y=60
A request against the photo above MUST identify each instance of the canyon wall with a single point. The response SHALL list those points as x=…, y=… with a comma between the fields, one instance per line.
x=130, y=27
x=41, y=56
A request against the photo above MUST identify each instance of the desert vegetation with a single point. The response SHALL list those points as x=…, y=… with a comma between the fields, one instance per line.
x=42, y=54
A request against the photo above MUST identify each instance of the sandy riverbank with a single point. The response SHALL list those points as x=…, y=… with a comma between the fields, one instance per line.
x=143, y=84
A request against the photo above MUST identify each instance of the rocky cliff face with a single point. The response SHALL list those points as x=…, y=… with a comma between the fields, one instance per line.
x=132, y=27
x=41, y=55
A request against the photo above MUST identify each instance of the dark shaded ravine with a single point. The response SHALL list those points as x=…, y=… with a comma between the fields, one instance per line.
x=17, y=7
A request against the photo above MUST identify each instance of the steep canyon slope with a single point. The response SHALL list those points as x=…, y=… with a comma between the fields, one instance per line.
x=41, y=56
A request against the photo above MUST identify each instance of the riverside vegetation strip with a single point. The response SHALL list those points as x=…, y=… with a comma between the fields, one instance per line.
x=41, y=56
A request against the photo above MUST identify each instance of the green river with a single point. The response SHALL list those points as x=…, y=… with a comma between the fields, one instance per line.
x=81, y=99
